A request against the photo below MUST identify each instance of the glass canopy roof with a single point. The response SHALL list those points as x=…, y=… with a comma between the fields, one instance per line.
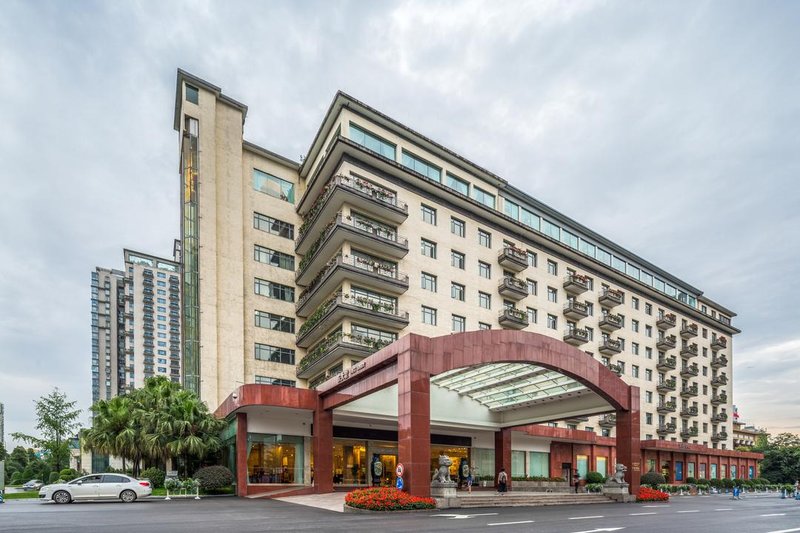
x=507, y=386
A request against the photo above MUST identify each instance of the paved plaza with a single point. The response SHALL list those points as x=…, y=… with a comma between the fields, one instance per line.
x=709, y=514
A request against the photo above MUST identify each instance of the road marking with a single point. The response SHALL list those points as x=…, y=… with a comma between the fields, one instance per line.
x=601, y=529
x=774, y=514
x=511, y=523
x=728, y=509
x=785, y=530
x=692, y=511
x=640, y=514
x=585, y=517
x=461, y=516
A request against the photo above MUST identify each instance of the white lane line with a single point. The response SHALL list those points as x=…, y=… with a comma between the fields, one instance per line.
x=659, y=506
x=785, y=530
x=511, y=523
x=727, y=509
x=640, y=514
x=693, y=511
x=585, y=517
x=774, y=514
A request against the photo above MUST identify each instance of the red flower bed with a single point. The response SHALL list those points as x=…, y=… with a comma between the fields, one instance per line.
x=646, y=494
x=386, y=499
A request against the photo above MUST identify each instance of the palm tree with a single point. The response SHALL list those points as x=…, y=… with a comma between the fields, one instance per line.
x=113, y=431
x=195, y=432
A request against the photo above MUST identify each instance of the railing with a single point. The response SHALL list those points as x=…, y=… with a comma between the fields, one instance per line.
x=374, y=191
x=689, y=411
x=719, y=361
x=722, y=379
x=615, y=368
x=667, y=384
x=719, y=398
x=691, y=370
x=611, y=344
x=513, y=253
x=692, y=391
x=689, y=349
x=667, y=406
x=349, y=299
x=668, y=340
x=689, y=329
x=613, y=319
x=577, y=279
x=319, y=351
x=689, y=432
x=666, y=319
x=577, y=332
x=578, y=307
x=666, y=428
x=514, y=314
x=667, y=362
x=512, y=282
x=719, y=343
x=612, y=294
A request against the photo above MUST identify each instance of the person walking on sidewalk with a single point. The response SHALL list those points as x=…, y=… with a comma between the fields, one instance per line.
x=502, y=481
x=577, y=481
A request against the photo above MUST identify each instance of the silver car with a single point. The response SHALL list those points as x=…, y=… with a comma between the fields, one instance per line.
x=97, y=487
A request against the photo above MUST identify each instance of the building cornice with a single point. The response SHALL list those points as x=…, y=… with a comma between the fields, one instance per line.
x=191, y=79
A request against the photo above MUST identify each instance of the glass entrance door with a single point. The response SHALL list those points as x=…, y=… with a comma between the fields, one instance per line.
x=389, y=466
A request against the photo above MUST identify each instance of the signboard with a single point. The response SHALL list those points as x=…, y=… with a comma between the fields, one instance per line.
x=399, y=470
x=399, y=483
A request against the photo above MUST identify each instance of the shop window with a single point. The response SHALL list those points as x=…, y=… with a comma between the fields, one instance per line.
x=274, y=459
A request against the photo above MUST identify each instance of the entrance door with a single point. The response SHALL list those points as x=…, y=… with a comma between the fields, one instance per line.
x=389, y=466
x=566, y=472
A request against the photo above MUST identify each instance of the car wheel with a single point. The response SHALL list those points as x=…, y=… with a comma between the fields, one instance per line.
x=128, y=496
x=62, y=496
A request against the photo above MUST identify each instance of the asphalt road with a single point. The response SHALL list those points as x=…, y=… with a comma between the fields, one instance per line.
x=708, y=514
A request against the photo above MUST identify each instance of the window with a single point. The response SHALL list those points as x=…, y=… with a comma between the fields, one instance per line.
x=532, y=259
x=635, y=325
x=370, y=141
x=265, y=380
x=428, y=315
x=273, y=186
x=511, y=209
x=273, y=226
x=274, y=322
x=484, y=300
x=552, y=321
x=484, y=238
x=552, y=267
x=634, y=302
x=457, y=259
x=274, y=290
x=274, y=354
x=457, y=184
x=532, y=287
x=648, y=309
x=484, y=270
x=635, y=371
x=648, y=352
x=271, y=257
x=192, y=94
x=428, y=282
x=648, y=397
x=635, y=348
x=648, y=375
x=428, y=248
x=483, y=197
x=428, y=214
x=648, y=331
x=551, y=230
x=417, y=164
x=532, y=315
x=457, y=292
x=648, y=418
x=458, y=227
x=590, y=333
x=484, y=326
x=459, y=324
x=552, y=294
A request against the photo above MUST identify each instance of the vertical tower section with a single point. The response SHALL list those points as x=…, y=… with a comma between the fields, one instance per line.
x=190, y=254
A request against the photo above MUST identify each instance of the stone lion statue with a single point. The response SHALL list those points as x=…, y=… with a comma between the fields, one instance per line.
x=442, y=475
x=619, y=474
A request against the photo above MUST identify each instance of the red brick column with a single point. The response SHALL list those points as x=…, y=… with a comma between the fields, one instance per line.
x=414, y=427
x=322, y=448
x=629, y=451
x=502, y=454
x=241, y=454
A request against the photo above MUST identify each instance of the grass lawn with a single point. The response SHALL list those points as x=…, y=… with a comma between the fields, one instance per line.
x=34, y=494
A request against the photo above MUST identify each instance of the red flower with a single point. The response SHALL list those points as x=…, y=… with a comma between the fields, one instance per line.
x=386, y=499
x=646, y=494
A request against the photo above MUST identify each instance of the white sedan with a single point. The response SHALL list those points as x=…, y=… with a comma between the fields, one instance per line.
x=97, y=487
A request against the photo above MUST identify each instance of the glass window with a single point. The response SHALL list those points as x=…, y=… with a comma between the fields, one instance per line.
x=633, y=271
x=273, y=186
x=428, y=315
x=484, y=326
x=511, y=209
x=532, y=315
x=529, y=219
x=552, y=267
x=539, y=464
x=459, y=324
x=428, y=214
x=484, y=300
x=270, y=289
x=484, y=238
x=552, y=294
x=275, y=459
x=484, y=270
x=271, y=257
x=350, y=462
x=192, y=94
x=457, y=259
x=274, y=322
x=265, y=380
x=457, y=184
x=370, y=141
x=273, y=226
x=517, y=463
x=457, y=291
x=417, y=164
x=569, y=239
x=551, y=230
x=583, y=465
x=532, y=287
x=428, y=282
x=552, y=321
x=483, y=197
x=603, y=256
x=458, y=227
x=586, y=248
x=428, y=248
x=532, y=259
x=275, y=354
x=618, y=264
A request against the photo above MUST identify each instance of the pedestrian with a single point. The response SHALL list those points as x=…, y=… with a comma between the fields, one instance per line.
x=577, y=481
x=502, y=481
x=469, y=479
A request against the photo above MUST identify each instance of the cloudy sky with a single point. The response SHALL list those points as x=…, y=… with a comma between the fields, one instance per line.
x=669, y=127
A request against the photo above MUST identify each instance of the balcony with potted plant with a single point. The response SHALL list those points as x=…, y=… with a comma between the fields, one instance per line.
x=576, y=284
x=667, y=407
x=665, y=364
x=513, y=318
x=609, y=346
x=610, y=322
x=720, y=380
x=611, y=298
x=607, y=421
x=667, y=385
x=666, y=321
x=688, y=330
x=689, y=371
x=512, y=288
x=689, y=432
x=576, y=336
x=689, y=350
x=689, y=391
x=719, y=343
x=666, y=429
x=513, y=258
x=719, y=361
x=333, y=348
x=575, y=310
x=666, y=342
x=718, y=399
x=689, y=411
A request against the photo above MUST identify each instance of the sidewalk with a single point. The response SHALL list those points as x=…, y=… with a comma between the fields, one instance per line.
x=332, y=501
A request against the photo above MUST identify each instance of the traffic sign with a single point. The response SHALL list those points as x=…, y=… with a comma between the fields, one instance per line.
x=399, y=484
x=399, y=470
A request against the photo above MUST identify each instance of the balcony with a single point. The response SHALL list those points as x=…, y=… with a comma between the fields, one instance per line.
x=665, y=429
x=667, y=407
x=609, y=346
x=382, y=240
x=722, y=435
x=364, y=196
x=689, y=391
x=689, y=350
x=720, y=380
x=719, y=361
x=666, y=342
x=686, y=412
x=349, y=306
x=513, y=318
x=576, y=310
x=577, y=420
x=371, y=274
x=608, y=421
x=665, y=364
x=513, y=259
x=719, y=343
x=576, y=284
x=719, y=417
x=333, y=347
x=690, y=371
x=576, y=336
x=718, y=399
x=512, y=288
x=666, y=321
x=610, y=322
x=689, y=432
x=668, y=385
x=611, y=298
x=688, y=330
x=615, y=368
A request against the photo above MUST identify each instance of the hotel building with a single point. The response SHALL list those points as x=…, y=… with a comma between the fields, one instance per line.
x=295, y=273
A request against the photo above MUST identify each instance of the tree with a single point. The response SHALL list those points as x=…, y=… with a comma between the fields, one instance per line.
x=781, y=462
x=56, y=420
x=113, y=431
x=785, y=440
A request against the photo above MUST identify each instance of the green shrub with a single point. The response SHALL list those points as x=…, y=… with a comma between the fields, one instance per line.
x=52, y=478
x=595, y=477
x=714, y=482
x=703, y=482
x=16, y=479
x=155, y=475
x=594, y=487
x=214, y=477
x=68, y=474
x=172, y=484
x=691, y=480
x=653, y=479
